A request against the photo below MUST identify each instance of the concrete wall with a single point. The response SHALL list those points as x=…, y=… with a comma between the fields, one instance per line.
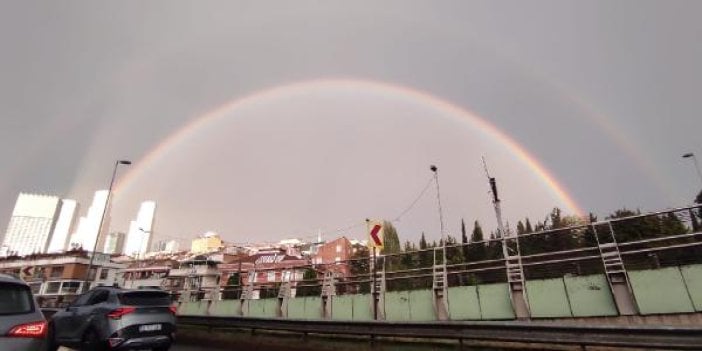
x=659, y=291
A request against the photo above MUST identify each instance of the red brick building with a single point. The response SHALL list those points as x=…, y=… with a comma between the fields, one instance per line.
x=334, y=256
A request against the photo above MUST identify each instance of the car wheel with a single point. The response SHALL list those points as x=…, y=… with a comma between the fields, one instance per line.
x=92, y=342
x=162, y=348
x=51, y=344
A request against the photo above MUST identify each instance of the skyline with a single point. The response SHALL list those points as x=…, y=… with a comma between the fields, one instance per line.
x=602, y=95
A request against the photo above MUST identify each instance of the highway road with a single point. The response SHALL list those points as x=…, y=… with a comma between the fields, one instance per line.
x=174, y=348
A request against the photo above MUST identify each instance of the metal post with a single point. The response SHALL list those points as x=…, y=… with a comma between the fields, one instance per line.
x=102, y=220
x=694, y=160
x=438, y=198
x=375, y=289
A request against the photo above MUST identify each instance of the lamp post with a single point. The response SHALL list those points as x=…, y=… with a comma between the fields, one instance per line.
x=435, y=170
x=102, y=220
x=694, y=160
x=141, y=243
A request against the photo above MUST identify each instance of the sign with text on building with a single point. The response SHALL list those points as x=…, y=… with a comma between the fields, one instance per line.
x=375, y=234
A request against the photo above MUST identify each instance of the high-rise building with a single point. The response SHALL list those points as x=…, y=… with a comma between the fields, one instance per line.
x=88, y=225
x=169, y=246
x=64, y=226
x=31, y=225
x=141, y=230
x=114, y=243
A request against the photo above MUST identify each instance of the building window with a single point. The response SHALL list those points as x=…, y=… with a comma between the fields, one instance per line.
x=36, y=288
x=338, y=248
x=271, y=276
x=56, y=272
x=52, y=288
x=70, y=287
x=337, y=259
x=103, y=273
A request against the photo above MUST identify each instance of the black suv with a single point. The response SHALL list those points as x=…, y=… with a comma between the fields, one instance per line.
x=116, y=319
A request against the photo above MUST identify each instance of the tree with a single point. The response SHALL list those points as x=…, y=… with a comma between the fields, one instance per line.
x=698, y=199
x=408, y=256
x=632, y=229
x=359, y=266
x=464, y=239
x=454, y=254
x=672, y=225
x=476, y=249
x=528, y=228
x=391, y=241
x=520, y=228
x=311, y=286
x=555, y=217
x=424, y=255
x=233, y=289
x=694, y=222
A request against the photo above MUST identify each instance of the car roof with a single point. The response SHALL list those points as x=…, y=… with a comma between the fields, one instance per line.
x=9, y=278
x=120, y=289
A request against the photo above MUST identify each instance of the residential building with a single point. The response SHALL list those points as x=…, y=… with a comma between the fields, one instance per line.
x=207, y=242
x=64, y=226
x=200, y=279
x=57, y=279
x=262, y=271
x=31, y=225
x=334, y=255
x=151, y=273
x=141, y=230
x=89, y=225
x=114, y=243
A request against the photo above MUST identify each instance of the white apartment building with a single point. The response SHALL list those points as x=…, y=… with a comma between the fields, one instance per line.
x=31, y=225
x=89, y=225
x=141, y=230
x=64, y=226
x=114, y=243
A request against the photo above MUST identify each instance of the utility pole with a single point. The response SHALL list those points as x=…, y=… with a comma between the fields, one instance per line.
x=86, y=283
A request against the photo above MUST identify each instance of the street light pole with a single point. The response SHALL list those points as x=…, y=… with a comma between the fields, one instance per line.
x=435, y=170
x=141, y=243
x=694, y=160
x=102, y=220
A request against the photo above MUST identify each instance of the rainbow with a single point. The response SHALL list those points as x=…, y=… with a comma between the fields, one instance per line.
x=191, y=129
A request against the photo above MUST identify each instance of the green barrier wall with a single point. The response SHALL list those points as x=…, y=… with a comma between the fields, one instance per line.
x=342, y=307
x=195, y=308
x=296, y=308
x=362, y=307
x=692, y=275
x=263, y=308
x=464, y=303
x=421, y=305
x=660, y=291
x=225, y=308
x=397, y=307
x=313, y=307
x=495, y=302
x=590, y=296
x=547, y=298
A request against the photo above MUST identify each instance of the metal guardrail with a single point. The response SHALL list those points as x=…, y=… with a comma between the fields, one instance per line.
x=645, y=337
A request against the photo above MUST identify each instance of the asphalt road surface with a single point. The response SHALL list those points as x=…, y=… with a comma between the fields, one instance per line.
x=174, y=348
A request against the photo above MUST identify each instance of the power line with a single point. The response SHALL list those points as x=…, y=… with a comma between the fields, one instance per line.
x=411, y=206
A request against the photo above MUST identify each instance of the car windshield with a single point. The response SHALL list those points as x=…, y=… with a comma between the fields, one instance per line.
x=145, y=298
x=15, y=299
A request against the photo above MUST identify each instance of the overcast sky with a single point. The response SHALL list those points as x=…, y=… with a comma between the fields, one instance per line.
x=605, y=95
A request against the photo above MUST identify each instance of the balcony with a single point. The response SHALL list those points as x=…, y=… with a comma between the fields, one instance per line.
x=194, y=271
